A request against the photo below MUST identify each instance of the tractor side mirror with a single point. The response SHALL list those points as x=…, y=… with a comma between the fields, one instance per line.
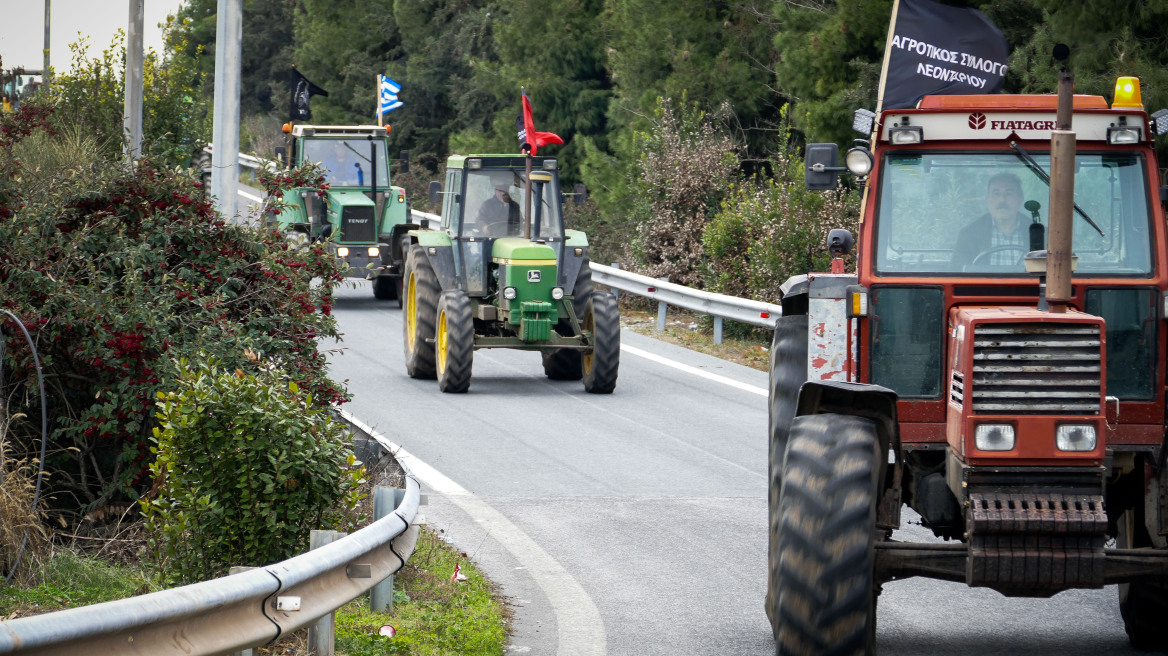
x=404, y=156
x=840, y=242
x=435, y=191
x=581, y=193
x=823, y=167
x=282, y=155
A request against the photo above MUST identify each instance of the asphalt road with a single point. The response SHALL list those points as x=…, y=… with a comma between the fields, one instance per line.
x=636, y=523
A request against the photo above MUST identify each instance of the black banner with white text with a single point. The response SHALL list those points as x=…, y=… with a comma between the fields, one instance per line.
x=938, y=49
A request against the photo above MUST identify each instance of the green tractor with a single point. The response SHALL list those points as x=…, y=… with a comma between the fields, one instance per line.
x=362, y=219
x=493, y=274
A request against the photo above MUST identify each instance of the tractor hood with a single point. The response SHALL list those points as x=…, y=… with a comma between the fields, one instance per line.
x=351, y=214
x=510, y=249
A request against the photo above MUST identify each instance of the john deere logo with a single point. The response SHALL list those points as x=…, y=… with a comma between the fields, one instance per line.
x=533, y=275
x=977, y=121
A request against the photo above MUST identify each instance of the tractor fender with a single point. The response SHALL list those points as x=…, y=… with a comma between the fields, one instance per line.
x=397, y=244
x=860, y=400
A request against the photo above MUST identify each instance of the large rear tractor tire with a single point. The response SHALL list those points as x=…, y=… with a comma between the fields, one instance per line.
x=385, y=288
x=600, y=364
x=454, y=342
x=788, y=372
x=566, y=364
x=1144, y=606
x=420, y=312
x=826, y=598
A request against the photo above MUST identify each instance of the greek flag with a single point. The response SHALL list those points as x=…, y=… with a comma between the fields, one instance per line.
x=387, y=95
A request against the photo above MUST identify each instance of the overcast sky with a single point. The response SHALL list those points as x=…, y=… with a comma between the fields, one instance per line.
x=22, y=28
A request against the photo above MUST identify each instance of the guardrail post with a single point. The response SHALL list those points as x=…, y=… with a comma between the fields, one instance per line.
x=385, y=501
x=237, y=569
x=717, y=330
x=322, y=635
x=614, y=290
x=662, y=308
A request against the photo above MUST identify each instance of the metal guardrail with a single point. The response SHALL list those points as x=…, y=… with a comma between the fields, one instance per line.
x=755, y=313
x=231, y=613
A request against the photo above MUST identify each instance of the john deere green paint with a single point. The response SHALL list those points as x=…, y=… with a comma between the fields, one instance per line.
x=493, y=275
x=362, y=219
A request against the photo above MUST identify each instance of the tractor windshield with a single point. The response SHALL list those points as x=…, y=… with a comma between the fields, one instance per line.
x=496, y=205
x=347, y=162
x=980, y=213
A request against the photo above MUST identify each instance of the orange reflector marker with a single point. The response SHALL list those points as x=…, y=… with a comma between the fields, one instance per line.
x=388, y=128
x=1127, y=93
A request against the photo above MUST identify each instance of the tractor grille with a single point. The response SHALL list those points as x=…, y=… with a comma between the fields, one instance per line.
x=357, y=225
x=1034, y=369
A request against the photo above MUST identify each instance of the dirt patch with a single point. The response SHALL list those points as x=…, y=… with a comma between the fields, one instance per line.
x=694, y=331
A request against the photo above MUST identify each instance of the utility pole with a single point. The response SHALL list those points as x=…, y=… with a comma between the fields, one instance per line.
x=132, y=117
x=225, y=152
x=45, y=72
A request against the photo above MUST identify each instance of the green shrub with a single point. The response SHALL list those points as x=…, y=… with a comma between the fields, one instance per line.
x=119, y=270
x=769, y=230
x=246, y=466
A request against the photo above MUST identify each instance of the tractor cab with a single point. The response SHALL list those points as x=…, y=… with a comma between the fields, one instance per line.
x=485, y=214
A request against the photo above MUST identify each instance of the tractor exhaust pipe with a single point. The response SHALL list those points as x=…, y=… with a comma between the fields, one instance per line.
x=1062, y=194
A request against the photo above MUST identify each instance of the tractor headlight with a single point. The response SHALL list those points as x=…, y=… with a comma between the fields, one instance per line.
x=1123, y=135
x=1075, y=437
x=557, y=293
x=859, y=161
x=374, y=251
x=343, y=252
x=994, y=437
x=510, y=293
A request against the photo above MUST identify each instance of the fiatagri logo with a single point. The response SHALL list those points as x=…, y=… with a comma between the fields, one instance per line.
x=978, y=121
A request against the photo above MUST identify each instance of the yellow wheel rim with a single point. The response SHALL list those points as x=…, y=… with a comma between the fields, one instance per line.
x=411, y=312
x=586, y=357
x=440, y=344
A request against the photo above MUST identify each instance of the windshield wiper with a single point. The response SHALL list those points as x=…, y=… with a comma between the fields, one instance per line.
x=1042, y=174
x=368, y=160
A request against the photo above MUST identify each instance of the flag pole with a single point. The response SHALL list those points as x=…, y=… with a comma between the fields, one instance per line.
x=887, y=53
x=377, y=102
x=528, y=140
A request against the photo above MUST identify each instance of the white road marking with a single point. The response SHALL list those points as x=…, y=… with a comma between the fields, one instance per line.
x=581, y=631
x=753, y=389
x=251, y=197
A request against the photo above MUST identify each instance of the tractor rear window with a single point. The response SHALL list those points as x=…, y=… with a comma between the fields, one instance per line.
x=348, y=162
x=980, y=213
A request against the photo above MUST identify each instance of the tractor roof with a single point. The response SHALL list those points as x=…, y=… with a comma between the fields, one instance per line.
x=340, y=130
x=499, y=161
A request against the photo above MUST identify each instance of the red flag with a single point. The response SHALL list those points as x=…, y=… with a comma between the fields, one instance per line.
x=529, y=139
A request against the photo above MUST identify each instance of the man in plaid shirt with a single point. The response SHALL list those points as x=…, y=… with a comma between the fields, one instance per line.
x=1000, y=236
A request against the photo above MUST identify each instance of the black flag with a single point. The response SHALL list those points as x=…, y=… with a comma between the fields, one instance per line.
x=302, y=90
x=938, y=49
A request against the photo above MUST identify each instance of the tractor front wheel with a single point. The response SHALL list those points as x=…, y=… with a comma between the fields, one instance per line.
x=826, y=599
x=420, y=311
x=566, y=364
x=385, y=288
x=600, y=365
x=1143, y=606
x=454, y=342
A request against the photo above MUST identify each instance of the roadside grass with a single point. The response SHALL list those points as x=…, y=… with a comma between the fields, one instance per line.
x=69, y=578
x=740, y=343
x=432, y=614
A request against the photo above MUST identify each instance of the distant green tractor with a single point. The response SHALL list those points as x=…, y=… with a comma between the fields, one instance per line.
x=494, y=275
x=368, y=234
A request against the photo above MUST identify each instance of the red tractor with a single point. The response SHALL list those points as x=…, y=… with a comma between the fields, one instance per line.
x=996, y=363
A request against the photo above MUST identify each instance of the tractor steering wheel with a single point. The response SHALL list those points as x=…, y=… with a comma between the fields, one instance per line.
x=987, y=253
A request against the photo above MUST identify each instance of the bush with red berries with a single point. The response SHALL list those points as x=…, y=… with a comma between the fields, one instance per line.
x=118, y=271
